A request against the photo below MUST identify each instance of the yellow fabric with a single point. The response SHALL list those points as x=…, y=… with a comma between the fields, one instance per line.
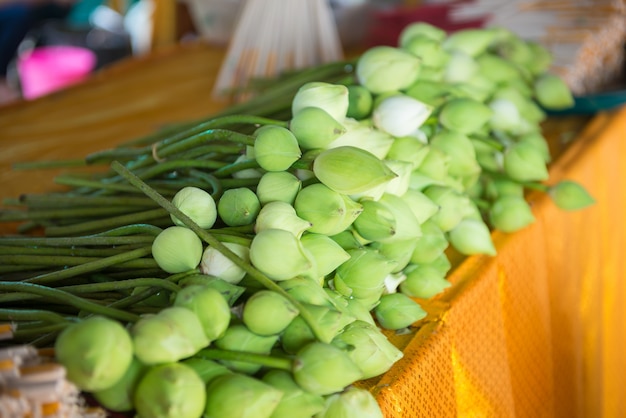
x=540, y=329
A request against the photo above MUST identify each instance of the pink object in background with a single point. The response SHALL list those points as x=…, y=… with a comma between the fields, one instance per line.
x=50, y=68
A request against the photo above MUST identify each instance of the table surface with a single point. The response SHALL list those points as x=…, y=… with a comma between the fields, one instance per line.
x=131, y=98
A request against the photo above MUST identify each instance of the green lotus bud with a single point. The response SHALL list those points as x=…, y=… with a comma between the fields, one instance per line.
x=421, y=29
x=459, y=149
x=324, y=369
x=364, y=136
x=421, y=206
x=496, y=68
x=400, y=115
x=434, y=167
x=328, y=255
x=407, y=225
x=315, y=128
x=229, y=291
x=399, y=251
x=349, y=170
x=400, y=184
x=177, y=249
x=459, y=68
x=238, y=337
x=349, y=239
x=523, y=162
x=205, y=368
x=276, y=148
x=216, y=264
x=471, y=236
x=279, y=254
x=510, y=214
x=552, y=92
x=328, y=211
x=279, y=186
x=383, y=68
x=247, y=173
x=499, y=187
x=505, y=115
x=170, y=391
x=196, y=204
x=332, y=98
x=569, y=195
x=478, y=87
x=239, y=396
x=429, y=50
x=408, y=149
x=517, y=51
x=363, y=275
x=542, y=58
x=305, y=290
x=170, y=335
x=368, y=348
x=360, y=102
x=451, y=206
x=119, y=397
x=441, y=263
x=529, y=112
x=238, y=207
x=539, y=142
x=396, y=311
x=487, y=156
x=209, y=306
x=95, y=352
x=295, y=403
x=353, y=402
x=280, y=215
x=423, y=281
x=297, y=335
x=430, y=245
x=464, y=115
x=330, y=321
x=350, y=306
x=267, y=312
x=433, y=93
x=377, y=222
x=472, y=42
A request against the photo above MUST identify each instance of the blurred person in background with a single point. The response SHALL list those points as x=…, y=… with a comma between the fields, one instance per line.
x=17, y=18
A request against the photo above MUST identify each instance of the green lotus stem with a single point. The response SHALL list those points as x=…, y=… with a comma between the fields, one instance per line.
x=23, y=334
x=54, y=200
x=211, y=181
x=64, y=251
x=7, y=314
x=68, y=298
x=186, y=130
x=173, y=165
x=100, y=224
x=496, y=145
x=211, y=240
x=235, y=167
x=96, y=288
x=70, y=260
x=67, y=180
x=260, y=359
x=90, y=266
x=39, y=244
x=65, y=213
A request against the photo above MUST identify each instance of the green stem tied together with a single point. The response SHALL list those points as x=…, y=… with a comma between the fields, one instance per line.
x=68, y=298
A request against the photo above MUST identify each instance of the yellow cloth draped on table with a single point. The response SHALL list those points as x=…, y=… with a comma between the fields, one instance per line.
x=539, y=330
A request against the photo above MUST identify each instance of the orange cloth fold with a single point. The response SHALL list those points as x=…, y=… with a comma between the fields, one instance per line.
x=540, y=329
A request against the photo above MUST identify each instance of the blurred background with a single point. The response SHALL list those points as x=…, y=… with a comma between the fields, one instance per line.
x=46, y=45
